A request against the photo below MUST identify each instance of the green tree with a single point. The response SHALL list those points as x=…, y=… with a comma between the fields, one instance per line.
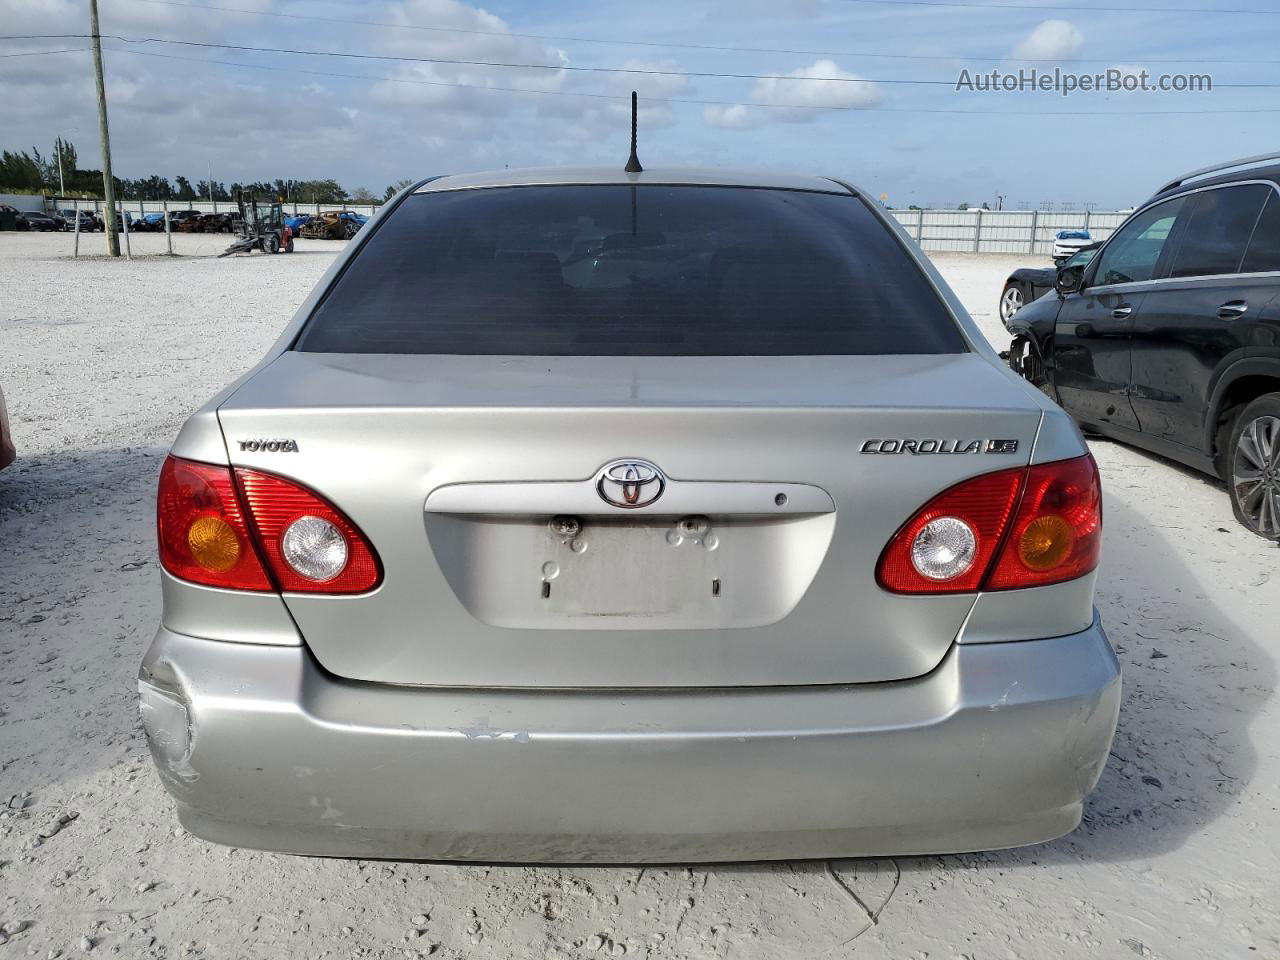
x=20, y=173
x=320, y=191
x=395, y=188
x=67, y=151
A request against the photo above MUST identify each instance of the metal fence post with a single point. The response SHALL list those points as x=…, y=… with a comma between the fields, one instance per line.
x=1086, y=219
x=1035, y=222
x=920, y=229
x=124, y=225
x=977, y=232
x=168, y=233
x=76, y=253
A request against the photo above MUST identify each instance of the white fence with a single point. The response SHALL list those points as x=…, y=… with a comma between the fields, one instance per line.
x=139, y=208
x=959, y=231
x=23, y=201
x=1001, y=231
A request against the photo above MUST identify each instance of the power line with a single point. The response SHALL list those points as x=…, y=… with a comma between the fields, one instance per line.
x=699, y=102
x=718, y=48
x=1057, y=8
x=44, y=53
x=628, y=71
x=452, y=61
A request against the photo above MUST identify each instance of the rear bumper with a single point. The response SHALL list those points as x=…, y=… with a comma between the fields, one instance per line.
x=996, y=747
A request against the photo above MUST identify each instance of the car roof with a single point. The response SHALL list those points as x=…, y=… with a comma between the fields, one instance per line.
x=681, y=176
x=1269, y=172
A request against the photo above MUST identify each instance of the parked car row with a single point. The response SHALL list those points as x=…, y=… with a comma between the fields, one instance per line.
x=330, y=225
x=11, y=218
x=89, y=220
x=208, y=223
x=1167, y=335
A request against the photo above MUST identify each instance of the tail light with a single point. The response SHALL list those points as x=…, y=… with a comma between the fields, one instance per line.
x=983, y=505
x=202, y=530
x=246, y=530
x=310, y=546
x=1057, y=534
x=1028, y=527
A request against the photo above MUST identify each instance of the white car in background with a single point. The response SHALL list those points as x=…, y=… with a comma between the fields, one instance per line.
x=1068, y=242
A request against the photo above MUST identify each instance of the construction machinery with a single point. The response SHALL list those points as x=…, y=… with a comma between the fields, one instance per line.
x=260, y=226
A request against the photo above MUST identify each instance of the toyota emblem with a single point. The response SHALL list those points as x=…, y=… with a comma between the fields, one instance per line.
x=630, y=483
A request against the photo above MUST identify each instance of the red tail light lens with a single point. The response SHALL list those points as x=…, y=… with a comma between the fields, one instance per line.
x=202, y=531
x=217, y=529
x=1057, y=534
x=984, y=504
x=310, y=546
x=1027, y=527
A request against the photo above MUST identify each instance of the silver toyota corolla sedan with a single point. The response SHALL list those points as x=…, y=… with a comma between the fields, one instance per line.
x=590, y=516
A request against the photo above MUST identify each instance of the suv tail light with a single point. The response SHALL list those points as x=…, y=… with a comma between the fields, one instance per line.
x=246, y=530
x=1026, y=527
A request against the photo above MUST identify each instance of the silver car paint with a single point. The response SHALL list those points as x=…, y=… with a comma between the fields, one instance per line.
x=383, y=436
x=997, y=747
x=422, y=424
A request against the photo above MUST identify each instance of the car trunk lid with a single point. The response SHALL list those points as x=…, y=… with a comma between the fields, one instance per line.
x=479, y=482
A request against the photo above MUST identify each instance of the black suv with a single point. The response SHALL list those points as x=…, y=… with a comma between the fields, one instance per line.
x=1169, y=338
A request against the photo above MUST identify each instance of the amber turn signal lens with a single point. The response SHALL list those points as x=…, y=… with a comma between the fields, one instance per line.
x=1045, y=543
x=214, y=544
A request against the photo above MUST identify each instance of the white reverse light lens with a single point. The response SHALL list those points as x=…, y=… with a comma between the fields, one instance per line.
x=944, y=549
x=315, y=548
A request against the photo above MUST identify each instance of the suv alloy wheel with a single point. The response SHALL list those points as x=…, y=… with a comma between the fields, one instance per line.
x=1255, y=466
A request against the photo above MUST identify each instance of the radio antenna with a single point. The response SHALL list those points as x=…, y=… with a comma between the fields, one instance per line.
x=633, y=162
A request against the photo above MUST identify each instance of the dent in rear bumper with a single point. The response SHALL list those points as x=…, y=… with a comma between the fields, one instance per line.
x=996, y=747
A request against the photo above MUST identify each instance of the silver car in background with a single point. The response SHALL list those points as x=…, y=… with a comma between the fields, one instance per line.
x=589, y=516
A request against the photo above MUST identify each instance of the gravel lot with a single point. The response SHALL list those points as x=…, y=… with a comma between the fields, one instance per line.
x=101, y=361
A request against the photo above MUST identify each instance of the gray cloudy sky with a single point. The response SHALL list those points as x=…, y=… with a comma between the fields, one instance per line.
x=254, y=115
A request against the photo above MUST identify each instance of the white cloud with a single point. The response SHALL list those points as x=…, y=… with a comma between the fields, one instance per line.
x=734, y=117
x=174, y=116
x=1050, y=40
x=461, y=32
x=799, y=97
x=651, y=85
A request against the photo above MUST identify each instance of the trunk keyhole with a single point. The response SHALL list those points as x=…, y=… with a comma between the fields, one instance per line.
x=715, y=586
x=546, y=589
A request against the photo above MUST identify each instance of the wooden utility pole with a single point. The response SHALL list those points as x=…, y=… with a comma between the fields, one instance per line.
x=108, y=182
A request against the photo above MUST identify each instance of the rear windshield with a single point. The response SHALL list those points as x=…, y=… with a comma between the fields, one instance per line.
x=618, y=270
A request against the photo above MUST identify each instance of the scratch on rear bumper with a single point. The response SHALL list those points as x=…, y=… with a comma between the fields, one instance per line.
x=996, y=747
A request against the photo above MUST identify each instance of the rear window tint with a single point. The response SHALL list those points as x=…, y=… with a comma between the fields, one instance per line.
x=1264, y=247
x=616, y=270
x=1222, y=221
